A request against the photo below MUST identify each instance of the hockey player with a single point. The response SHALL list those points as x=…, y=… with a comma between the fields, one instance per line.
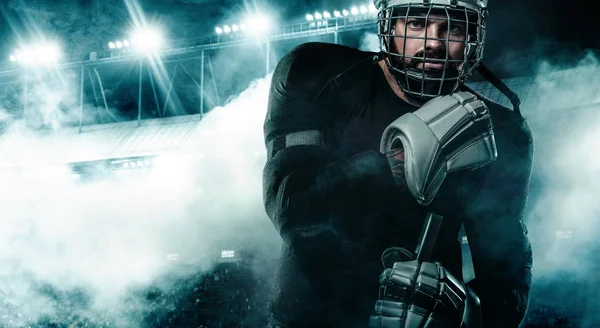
x=361, y=146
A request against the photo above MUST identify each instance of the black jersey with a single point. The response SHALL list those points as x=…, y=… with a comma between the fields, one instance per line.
x=337, y=208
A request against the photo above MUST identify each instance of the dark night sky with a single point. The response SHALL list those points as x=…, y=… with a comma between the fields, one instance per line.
x=520, y=31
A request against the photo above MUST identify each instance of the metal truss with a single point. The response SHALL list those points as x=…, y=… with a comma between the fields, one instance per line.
x=179, y=47
x=19, y=83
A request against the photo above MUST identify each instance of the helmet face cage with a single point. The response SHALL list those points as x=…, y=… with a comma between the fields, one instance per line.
x=421, y=82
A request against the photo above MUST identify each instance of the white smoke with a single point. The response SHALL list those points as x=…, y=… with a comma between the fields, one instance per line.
x=104, y=238
x=563, y=220
x=563, y=113
x=566, y=216
x=369, y=42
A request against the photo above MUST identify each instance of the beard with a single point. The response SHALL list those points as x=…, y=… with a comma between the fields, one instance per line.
x=429, y=82
x=452, y=68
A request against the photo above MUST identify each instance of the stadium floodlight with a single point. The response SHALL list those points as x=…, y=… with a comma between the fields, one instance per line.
x=226, y=29
x=234, y=28
x=259, y=24
x=147, y=40
x=345, y=12
x=242, y=26
x=219, y=30
x=318, y=16
x=119, y=44
x=363, y=9
x=26, y=56
x=354, y=11
x=111, y=45
x=337, y=14
x=309, y=17
x=50, y=52
x=326, y=15
x=43, y=54
x=125, y=43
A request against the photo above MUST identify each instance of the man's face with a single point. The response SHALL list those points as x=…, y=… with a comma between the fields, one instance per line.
x=434, y=29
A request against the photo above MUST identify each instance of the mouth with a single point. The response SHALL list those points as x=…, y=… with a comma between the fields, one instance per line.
x=431, y=66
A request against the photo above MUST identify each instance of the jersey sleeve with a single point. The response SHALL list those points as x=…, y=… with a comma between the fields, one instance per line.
x=496, y=232
x=300, y=178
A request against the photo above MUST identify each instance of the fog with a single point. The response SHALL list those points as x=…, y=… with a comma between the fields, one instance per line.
x=69, y=246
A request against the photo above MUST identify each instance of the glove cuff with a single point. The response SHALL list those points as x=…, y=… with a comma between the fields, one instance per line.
x=446, y=134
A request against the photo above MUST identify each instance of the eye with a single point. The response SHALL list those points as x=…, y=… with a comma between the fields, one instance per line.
x=416, y=24
x=456, y=28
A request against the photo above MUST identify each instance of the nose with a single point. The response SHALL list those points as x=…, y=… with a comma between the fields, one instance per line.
x=432, y=35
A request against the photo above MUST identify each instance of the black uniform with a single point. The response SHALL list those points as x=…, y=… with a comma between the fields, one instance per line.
x=337, y=207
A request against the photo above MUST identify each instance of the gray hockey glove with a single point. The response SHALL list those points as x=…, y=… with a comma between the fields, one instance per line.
x=416, y=294
x=448, y=133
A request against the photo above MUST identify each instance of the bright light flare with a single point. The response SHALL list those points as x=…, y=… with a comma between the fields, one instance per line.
x=147, y=40
x=219, y=30
x=259, y=24
x=345, y=12
x=326, y=15
x=354, y=11
x=226, y=29
x=363, y=9
x=309, y=17
x=111, y=45
x=43, y=54
x=337, y=14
